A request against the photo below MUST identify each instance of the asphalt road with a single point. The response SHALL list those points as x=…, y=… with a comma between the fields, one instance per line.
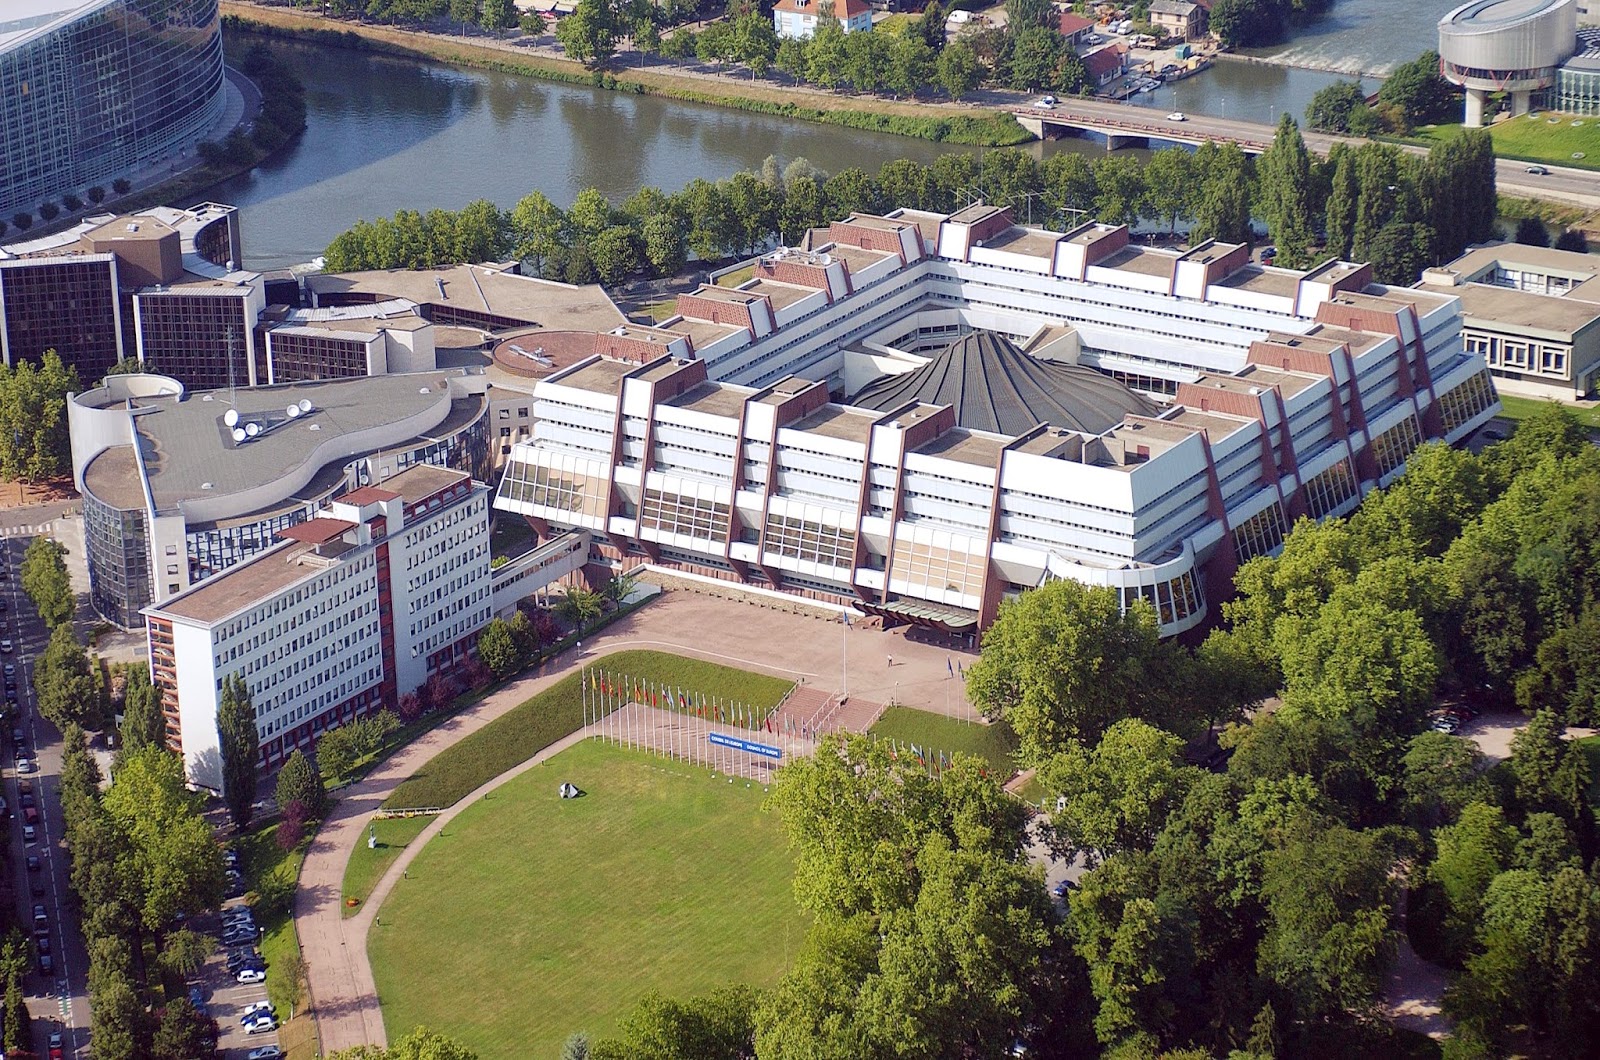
x=58, y=1003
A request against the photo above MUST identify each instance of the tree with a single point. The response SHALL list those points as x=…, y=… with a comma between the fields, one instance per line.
x=299, y=781
x=715, y=1026
x=1029, y=14
x=288, y=990
x=498, y=648
x=1115, y=796
x=1169, y=178
x=576, y=1047
x=1330, y=108
x=1222, y=208
x=1120, y=190
x=497, y=15
x=19, y=1025
x=1343, y=196
x=181, y=1033
x=420, y=1044
x=1327, y=933
x=1532, y=232
x=956, y=69
x=1285, y=192
x=185, y=951
x=1442, y=775
x=465, y=12
x=97, y=194
x=1418, y=90
x=827, y=54
x=589, y=34
x=171, y=850
x=34, y=444
x=121, y=186
x=579, y=606
x=63, y=682
x=1035, y=54
x=1550, y=772
x=911, y=62
x=1468, y=856
x=1064, y=662
x=1574, y=240
x=240, y=746
x=46, y=581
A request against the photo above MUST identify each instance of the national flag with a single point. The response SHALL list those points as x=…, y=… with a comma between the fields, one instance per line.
x=846, y=616
x=893, y=755
x=769, y=723
x=916, y=752
x=949, y=668
x=594, y=681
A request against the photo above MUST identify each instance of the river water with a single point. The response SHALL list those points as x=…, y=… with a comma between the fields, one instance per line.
x=385, y=134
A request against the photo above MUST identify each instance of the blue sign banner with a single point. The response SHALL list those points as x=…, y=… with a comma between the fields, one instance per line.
x=762, y=749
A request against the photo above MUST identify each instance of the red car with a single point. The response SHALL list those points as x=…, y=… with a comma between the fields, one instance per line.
x=56, y=1051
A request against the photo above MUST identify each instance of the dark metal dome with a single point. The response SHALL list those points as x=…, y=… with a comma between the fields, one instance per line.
x=996, y=387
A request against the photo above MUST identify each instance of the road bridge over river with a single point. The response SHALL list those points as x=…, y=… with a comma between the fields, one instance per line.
x=1125, y=125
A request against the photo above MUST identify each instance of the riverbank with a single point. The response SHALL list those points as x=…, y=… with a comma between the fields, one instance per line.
x=939, y=122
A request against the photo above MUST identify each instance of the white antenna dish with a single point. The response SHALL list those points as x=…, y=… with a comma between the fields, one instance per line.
x=252, y=429
x=292, y=411
x=238, y=434
x=231, y=417
x=304, y=405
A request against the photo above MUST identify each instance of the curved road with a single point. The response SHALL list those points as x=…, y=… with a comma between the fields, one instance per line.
x=751, y=636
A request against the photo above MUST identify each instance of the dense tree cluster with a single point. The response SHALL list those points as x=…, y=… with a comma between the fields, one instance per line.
x=340, y=749
x=1414, y=94
x=1398, y=211
x=420, y=1044
x=282, y=116
x=143, y=858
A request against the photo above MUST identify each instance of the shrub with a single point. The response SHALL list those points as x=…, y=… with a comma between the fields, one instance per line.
x=71, y=202
x=97, y=195
x=49, y=210
x=121, y=186
x=22, y=219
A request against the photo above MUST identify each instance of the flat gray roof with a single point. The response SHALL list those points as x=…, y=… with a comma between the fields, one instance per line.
x=1487, y=304
x=480, y=289
x=189, y=452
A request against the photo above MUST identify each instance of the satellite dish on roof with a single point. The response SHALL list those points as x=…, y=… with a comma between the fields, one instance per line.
x=304, y=405
x=292, y=411
x=238, y=434
x=252, y=429
x=231, y=417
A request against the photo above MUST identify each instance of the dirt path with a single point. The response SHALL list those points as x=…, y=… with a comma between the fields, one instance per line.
x=744, y=635
x=1413, y=991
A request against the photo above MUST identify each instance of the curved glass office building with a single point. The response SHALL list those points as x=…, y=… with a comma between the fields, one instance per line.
x=90, y=90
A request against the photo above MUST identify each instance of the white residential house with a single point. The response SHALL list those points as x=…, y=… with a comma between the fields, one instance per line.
x=797, y=19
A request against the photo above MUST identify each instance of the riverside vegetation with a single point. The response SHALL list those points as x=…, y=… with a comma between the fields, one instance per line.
x=1402, y=213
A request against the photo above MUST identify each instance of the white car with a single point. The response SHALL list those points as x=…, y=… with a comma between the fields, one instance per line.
x=255, y=1011
x=1046, y=102
x=250, y=975
x=1177, y=115
x=261, y=1025
x=25, y=765
x=266, y=1052
x=6, y=646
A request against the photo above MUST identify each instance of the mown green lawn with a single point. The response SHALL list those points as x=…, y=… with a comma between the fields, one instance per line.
x=1520, y=408
x=367, y=865
x=531, y=917
x=534, y=725
x=1543, y=137
x=907, y=725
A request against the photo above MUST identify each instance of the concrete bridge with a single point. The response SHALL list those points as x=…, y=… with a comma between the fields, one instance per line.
x=1126, y=125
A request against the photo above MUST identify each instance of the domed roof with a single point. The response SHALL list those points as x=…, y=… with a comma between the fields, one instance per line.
x=996, y=387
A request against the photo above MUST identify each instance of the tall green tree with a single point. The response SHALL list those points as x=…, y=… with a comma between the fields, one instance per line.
x=143, y=722
x=589, y=34
x=420, y=1044
x=33, y=415
x=498, y=648
x=1222, y=206
x=1285, y=193
x=1064, y=662
x=172, y=851
x=46, y=581
x=299, y=781
x=240, y=745
x=1115, y=797
x=1343, y=196
x=63, y=682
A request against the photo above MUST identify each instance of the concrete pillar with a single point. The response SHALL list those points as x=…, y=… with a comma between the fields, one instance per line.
x=1520, y=102
x=1476, y=98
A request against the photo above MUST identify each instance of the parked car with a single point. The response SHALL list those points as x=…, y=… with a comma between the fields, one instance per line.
x=1446, y=724
x=34, y=864
x=47, y=965
x=57, y=1049
x=26, y=765
x=1046, y=102
x=197, y=995
x=6, y=646
x=30, y=834
x=17, y=735
x=239, y=936
x=261, y=1025
x=1177, y=115
x=266, y=1052
x=250, y=975
x=39, y=914
x=1538, y=171
x=36, y=886
x=255, y=1010
x=242, y=956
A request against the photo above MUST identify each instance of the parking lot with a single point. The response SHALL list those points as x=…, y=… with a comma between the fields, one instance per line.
x=226, y=1000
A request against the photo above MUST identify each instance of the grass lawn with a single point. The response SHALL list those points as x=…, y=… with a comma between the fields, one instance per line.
x=512, y=536
x=994, y=743
x=531, y=917
x=534, y=725
x=1543, y=137
x=367, y=866
x=736, y=277
x=1520, y=408
x=272, y=874
x=665, y=309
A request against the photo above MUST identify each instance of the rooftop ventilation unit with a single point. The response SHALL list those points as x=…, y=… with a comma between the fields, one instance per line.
x=247, y=427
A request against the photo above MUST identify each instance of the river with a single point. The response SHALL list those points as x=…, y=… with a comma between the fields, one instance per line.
x=385, y=134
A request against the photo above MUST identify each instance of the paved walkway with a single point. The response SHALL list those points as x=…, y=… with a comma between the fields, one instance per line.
x=744, y=635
